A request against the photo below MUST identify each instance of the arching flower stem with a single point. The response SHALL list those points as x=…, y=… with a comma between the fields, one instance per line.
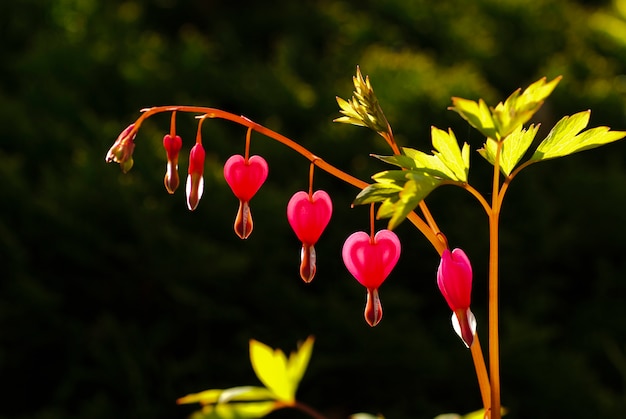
x=207, y=112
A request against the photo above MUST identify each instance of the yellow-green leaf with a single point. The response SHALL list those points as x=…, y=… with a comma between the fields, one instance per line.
x=514, y=146
x=518, y=108
x=251, y=410
x=299, y=361
x=478, y=414
x=216, y=396
x=270, y=366
x=449, y=153
x=476, y=113
x=366, y=416
x=204, y=397
x=279, y=375
x=566, y=137
x=429, y=163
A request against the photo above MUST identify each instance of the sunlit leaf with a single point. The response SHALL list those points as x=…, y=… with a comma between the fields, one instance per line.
x=279, y=374
x=448, y=151
x=566, y=137
x=366, y=416
x=400, y=191
x=204, y=397
x=477, y=114
x=518, y=108
x=429, y=163
x=299, y=361
x=270, y=366
x=513, y=148
x=243, y=393
x=249, y=410
x=478, y=414
x=399, y=160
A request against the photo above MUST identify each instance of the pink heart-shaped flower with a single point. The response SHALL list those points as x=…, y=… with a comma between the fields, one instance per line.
x=245, y=179
x=371, y=262
x=309, y=217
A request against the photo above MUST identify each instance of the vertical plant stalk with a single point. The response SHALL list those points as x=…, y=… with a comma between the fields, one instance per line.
x=481, y=373
x=494, y=339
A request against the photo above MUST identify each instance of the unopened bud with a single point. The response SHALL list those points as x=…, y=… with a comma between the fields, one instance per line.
x=122, y=150
x=195, y=179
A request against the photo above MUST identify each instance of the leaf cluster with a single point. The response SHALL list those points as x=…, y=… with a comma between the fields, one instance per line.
x=506, y=143
x=279, y=374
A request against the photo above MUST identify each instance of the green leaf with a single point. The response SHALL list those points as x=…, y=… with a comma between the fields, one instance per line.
x=399, y=160
x=299, y=361
x=216, y=396
x=400, y=191
x=449, y=153
x=518, y=108
x=566, y=137
x=279, y=375
x=514, y=146
x=366, y=416
x=249, y=410
x=428, y=163
x=476, y=113
x=270, y=366
x=376, y=192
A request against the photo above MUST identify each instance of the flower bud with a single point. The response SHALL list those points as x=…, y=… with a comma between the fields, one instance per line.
x=454, y=279
x=195, y=178
x=122, y=149
x=172, y=146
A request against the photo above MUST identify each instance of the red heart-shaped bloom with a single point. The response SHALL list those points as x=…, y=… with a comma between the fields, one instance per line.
x=370, y=262
x=245, y=178
x=309, y=217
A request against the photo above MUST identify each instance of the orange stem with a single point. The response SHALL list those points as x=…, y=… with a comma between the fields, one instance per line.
x=317, y=161
x=494, y=340
x=247, y=150
x=481, y=372
x=311, y=170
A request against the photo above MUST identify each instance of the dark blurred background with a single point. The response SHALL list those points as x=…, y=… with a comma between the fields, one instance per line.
x=115, y=299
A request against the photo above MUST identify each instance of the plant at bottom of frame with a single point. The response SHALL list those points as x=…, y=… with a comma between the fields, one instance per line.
x=280, y=376
x=400, y=194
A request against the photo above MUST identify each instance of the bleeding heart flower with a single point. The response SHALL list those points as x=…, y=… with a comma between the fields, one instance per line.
x=370, y=261
x=172, y=146
x=195, y=178
x=245, y=178
x=454, y=278
x=122, y=150
x=308, y=217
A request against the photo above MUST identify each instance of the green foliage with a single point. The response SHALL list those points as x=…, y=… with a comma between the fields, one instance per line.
x=513, y=149
x=400, y=191
x=478, y=414
x=281, y=377
x=279, y=374
x=363, y=108
x=566, y=137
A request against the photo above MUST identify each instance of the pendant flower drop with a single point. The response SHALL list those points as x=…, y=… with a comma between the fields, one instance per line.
x=195, y=177
x=122, y=149
x=454, y=278
x=308, y=216
x=172, y=146
x=245, y=177
x=370, y=260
